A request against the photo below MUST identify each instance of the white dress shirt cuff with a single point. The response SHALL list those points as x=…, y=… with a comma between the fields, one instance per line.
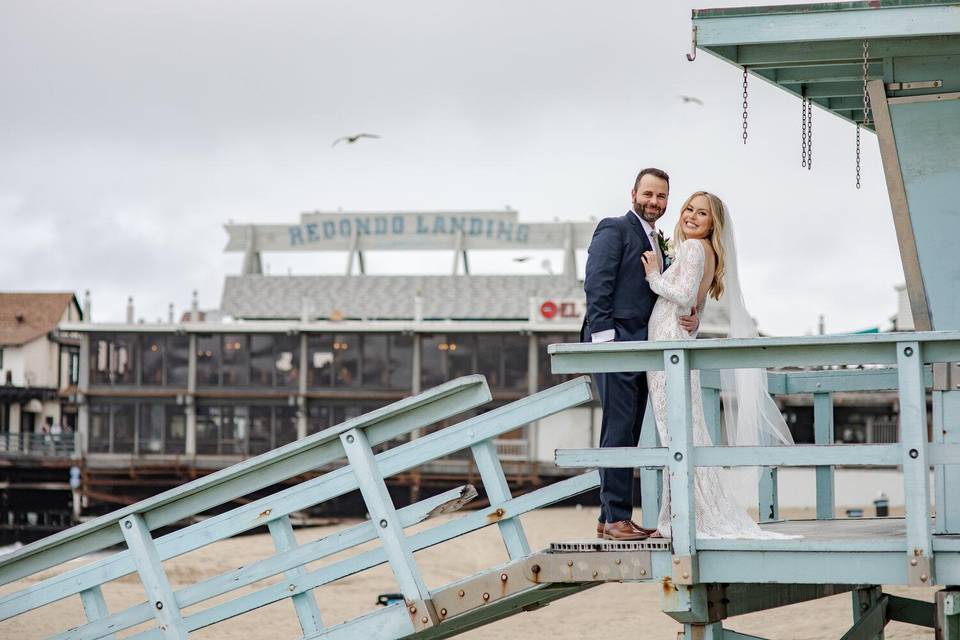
x=603, y=336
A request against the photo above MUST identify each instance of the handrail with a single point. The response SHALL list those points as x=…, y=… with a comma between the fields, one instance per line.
x=366, y=471
x=910, y=352
x=249, y=475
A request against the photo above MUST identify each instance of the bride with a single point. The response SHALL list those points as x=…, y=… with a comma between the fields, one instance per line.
x=705, y=264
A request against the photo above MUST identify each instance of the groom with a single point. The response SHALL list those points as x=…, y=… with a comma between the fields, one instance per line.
x=619, y=303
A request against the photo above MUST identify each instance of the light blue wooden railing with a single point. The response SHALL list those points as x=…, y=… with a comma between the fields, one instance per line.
x=910, y=352
x=354, y=440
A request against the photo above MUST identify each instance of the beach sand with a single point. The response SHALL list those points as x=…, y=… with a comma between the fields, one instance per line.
x=610, y=610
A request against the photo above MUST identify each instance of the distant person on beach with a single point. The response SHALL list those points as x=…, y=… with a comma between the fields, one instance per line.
x=619, y=304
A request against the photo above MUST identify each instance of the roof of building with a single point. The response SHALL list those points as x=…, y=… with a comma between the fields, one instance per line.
x=474, y=297
x=27, y=316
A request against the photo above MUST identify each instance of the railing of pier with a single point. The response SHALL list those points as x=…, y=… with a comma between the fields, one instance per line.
x=143, y=551
x=47, y=445
x=909, y=352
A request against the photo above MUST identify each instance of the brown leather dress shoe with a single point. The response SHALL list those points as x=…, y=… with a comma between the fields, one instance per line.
x=623, y=530
x=649, y=532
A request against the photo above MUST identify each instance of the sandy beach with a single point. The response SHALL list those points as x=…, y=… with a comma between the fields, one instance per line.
x=623, y=610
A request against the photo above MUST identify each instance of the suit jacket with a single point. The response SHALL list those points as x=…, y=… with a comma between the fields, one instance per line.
x=618, y=295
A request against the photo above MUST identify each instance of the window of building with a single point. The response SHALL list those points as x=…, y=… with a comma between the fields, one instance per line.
x=151, y=359
x=401, y=361
x=346, y=360
x=236, y=361
x=546, y=379
x=286, y=361
x=433, y=361
x=208, y=360
x=150, y=430
x=516, y=361
x=99, y=428
x=320, y=360
x=177, y=360
x=113, y=359
x=124, y=428
x=376, y=360
x=74, y=368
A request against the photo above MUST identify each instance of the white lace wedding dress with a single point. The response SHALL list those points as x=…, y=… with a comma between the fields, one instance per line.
x=718, y=513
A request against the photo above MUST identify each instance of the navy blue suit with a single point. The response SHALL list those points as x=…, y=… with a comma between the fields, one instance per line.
x=618, y=298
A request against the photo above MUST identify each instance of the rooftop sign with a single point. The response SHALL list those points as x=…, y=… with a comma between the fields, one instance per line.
x=386, y=231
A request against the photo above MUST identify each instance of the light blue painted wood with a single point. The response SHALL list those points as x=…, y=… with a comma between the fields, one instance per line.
x=946, y=415
x=790, y=567
x=389, y=622
x=194, y=497
x=498, y=492
x=384, y=515
x=730, y=634
x=942, y=346
x=711, y=412
x=823, y=435
x=425, y=539
x=813, y=26
x=612, y=457
x=768, y=501
x=800, y=455
x=265, y=568
x=913, y=436
x=651, y=477
x=95, y=606
x=305, y=604
x=153, y=577
x=339, y=482
x=680, y=448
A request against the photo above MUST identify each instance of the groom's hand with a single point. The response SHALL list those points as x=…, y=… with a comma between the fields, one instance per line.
x=691, y=322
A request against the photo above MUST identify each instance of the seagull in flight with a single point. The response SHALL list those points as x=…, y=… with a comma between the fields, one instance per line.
x=522, y=259
x=691, y=99
x=354, y=138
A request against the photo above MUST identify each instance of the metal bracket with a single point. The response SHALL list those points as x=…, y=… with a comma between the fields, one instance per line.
x=906, y=86
x=920, y=571
x=693, y=45
x=946, y=376
x=423, y=614
x=686, y=570
x=608, y=566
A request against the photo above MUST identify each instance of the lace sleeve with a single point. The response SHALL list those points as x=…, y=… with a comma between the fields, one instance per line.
x=680, y=283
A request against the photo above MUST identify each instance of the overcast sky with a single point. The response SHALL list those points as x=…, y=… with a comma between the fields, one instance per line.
x=130, y=132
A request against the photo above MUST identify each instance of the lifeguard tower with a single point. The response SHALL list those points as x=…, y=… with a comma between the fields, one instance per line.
x=892, y=67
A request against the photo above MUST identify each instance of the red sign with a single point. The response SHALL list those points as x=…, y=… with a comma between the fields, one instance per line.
x=549, y=309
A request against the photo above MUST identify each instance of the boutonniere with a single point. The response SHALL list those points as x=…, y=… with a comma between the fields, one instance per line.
x=667, y=249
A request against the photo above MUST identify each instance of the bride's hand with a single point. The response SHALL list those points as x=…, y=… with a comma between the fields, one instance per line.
x=650, y=262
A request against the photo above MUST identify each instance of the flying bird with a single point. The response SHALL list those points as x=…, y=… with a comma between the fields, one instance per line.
x=691, y=99
x=352, y=139
x=521, y=259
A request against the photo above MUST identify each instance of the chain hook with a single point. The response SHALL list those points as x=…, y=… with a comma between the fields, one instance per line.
x=693, y=45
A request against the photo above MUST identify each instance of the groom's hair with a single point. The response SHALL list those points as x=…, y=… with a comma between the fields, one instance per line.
x=651, y=171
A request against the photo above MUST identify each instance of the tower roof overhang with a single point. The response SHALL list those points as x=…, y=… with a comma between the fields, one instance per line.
x=816, y=50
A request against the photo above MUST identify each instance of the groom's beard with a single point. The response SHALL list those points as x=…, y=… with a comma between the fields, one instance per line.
x=650, y=213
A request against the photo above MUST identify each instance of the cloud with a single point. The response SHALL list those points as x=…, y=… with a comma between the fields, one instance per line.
x=133, y=131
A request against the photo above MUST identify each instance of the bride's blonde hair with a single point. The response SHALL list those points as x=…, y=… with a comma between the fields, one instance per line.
x=718, y=214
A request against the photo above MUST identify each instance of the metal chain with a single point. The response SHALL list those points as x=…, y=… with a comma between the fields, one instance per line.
x=866, y=102
x=809, y=134
x=858, y=155
x=803, y=132
x=744, y=105
x=866, y=73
